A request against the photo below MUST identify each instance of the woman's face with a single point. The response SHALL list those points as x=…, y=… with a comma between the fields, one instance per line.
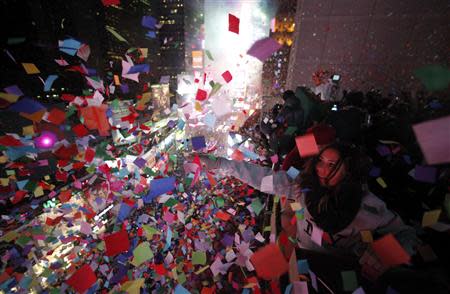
x=330, y=168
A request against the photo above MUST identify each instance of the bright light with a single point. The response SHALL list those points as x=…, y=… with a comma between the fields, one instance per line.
x=46, y=140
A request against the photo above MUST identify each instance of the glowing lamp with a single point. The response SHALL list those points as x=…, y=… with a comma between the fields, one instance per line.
x=45, y=140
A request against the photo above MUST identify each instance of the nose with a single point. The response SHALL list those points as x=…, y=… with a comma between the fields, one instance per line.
x=321, y=170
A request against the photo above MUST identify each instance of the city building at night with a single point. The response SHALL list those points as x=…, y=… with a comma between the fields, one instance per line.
x=276, y=67
x=224, y=146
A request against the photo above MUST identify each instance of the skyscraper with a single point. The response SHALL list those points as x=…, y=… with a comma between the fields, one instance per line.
x=282, y=29
x=172, y=41
x=194, y=34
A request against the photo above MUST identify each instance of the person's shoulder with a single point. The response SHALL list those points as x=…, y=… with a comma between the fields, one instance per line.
x=372, y=204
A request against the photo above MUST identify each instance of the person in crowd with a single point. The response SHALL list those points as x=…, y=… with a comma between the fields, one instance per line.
x=313, y=110
x=349, y=120
x=335, y=200
x=323, y=134
x=284, y=124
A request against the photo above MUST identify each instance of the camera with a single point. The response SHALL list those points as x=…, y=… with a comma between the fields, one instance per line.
x=336, y=78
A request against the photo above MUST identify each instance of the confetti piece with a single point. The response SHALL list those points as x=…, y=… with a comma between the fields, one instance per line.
x=262, y=49
x=431, y=217
x=366, y=236
x=233, y=23
x=11, y=98
x=30, y=68
x=198, y=257
x=201, y=95
x=82, y=279
x=142, y=253
x=306, y=145
x=434, y=77
x=227, y=76
x=269, y=262
x=349, y=280
x=117, y=243
x=432, y=137
x=390, y=252
x=198, y=142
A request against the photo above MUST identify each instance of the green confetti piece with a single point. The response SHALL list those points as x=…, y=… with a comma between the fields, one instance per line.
x=116, y=34
x=115, y=104
x=267, y=229
x=208, y=53
x=215, y=89
x=290, y=130
x=181, y=278
x=198, y=257
x=257, y=206
x=435, y=77
x=22, y=241
x=447, y=204
x=16, y=40
x=91, y=169
x=149, y=171
x=349, y=280
x=46, y=272
x=299, y=215
x=37, y=231
x=150, y=231
x=70, y=111
x=30, y=186
x=86, y=92
x=171, y=202
x=220, y=202
x=212, y=157
x=51, y=239
x=141, y=254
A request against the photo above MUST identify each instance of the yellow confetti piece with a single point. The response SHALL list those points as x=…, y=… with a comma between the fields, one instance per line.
x=38, y=192
x=296, y=206
x=11, y=98
x=28, y=130
x=116, y=80
x=381, y=182
x=198, y=106
x=366, y=237
x=174, y=273
x=30, y=68
x=4, y=182
x=202, y=269
x=8, y=237
x=144, y=52
x=133, y=287
x=3, y=159
x=431, y=217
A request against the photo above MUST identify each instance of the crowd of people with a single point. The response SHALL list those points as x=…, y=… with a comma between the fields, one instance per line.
x=358, y=180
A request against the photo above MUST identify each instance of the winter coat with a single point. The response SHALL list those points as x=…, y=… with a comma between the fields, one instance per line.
x=372, y=216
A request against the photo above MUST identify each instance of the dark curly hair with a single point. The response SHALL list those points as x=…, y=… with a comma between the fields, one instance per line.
x=334, y=208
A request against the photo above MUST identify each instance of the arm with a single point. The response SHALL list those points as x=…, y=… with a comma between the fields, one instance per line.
x=390, y=222
x=252, y=174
